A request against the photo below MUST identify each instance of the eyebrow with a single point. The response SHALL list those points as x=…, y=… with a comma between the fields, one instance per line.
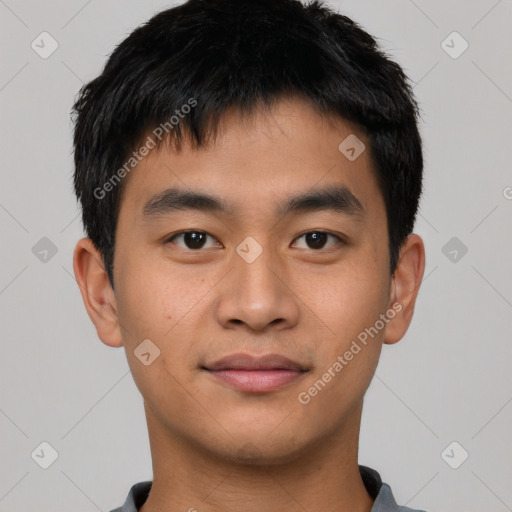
x=336, y=198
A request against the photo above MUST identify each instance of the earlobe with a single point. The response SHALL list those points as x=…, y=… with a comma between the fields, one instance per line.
x=405, y=286
x=96, y=291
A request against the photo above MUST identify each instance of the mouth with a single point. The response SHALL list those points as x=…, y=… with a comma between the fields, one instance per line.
x=255, y=374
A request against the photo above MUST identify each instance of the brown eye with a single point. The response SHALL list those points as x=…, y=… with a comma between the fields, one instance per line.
x=191, y=239
x=318, y=239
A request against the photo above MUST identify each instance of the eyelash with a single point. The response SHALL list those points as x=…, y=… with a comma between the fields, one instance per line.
x=340, y=241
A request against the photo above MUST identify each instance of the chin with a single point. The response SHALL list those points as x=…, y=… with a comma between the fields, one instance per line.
x=260, y=450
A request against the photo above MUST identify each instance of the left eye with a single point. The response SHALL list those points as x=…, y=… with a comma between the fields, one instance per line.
x=318, y=239
x=192, y=239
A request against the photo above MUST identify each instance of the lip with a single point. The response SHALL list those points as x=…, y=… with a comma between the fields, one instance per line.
x=247, y=362
x=252, y=374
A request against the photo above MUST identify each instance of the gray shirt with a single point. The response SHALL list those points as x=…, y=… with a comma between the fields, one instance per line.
x=379, y=491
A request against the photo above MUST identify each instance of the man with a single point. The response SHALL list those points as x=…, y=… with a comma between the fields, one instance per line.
x=249, y=173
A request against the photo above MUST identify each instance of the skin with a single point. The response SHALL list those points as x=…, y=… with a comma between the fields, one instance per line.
x=215, y=448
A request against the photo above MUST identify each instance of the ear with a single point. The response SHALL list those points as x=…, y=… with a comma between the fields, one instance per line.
x=97, y=293
x=405, y=287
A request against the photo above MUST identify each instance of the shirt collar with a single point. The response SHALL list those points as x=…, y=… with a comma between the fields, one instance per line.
x=379, y=491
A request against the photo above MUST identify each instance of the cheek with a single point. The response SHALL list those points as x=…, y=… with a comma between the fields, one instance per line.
x=348, y=299
x=166, y=305
x=347, y=353
x=158, y=306
x=154, y=295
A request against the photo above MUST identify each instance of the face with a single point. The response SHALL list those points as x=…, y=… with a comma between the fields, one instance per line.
x=250, y=271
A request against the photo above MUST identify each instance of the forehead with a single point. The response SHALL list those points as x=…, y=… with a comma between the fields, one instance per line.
x=255, y=163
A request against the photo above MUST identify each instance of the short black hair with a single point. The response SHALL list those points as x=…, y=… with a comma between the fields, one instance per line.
x=219, y=54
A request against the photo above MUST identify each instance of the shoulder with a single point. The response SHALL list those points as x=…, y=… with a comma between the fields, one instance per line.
x=386, y=502
x=136, y=497
x=381, y=492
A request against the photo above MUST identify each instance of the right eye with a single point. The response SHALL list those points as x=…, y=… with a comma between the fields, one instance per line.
x=192, y=240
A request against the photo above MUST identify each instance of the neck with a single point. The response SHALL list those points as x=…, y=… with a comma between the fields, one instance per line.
x=323, y=476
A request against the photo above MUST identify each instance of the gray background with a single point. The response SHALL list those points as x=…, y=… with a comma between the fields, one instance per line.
x=447, y=380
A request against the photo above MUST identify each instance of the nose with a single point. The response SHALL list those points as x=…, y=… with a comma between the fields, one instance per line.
x=257, y=295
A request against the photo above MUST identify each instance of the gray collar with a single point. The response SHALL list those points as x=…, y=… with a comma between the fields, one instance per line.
x=379, y=491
